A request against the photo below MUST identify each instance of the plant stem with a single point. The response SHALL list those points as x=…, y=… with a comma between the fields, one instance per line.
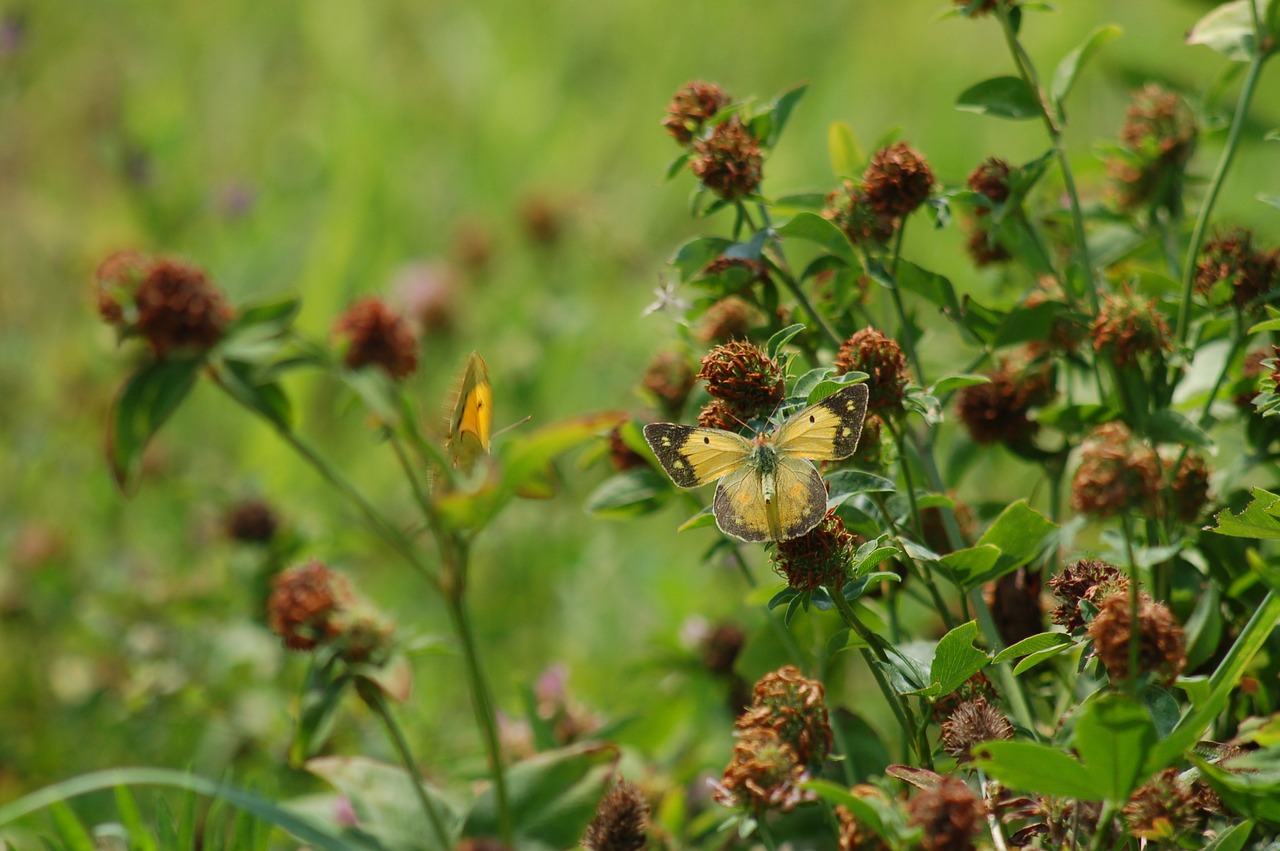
x=1135, y=626
x=783, y=269
x=762, y=828
x=901, y=309
x=377, y=701
x=1104, y=825
x=993, y=823
x=904, y=464
x=921, y=570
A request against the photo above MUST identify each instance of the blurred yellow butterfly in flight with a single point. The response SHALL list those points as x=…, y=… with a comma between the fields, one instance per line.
x=471, y=422
x=769, y=489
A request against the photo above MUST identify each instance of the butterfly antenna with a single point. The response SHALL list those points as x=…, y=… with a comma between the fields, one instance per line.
x=515, y=424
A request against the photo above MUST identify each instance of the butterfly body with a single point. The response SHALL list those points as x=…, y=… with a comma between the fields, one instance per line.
x=768, y=488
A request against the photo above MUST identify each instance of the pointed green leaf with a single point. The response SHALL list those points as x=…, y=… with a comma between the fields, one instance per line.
x=1034, y=644
x=1228, y=29
x=956, y=659
x=812, y=227
x=1033, y=767
x=1259, y=519
x=1113, y=737
x=1064, y=76
x=146, y=401
x=628, y=494
x=846, y=154
x=1002, y=97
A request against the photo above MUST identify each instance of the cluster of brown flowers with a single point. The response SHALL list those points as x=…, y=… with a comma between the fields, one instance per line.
x=171, y=304
x=895, y=183
x=1128, y=326
x=744, y=383
x=311, y=606
x=1157, y=140
x=996, y=412
x=668, y=379
x=972, y=723
x=251, y=521
x=1117, y=473
x=820, y=557
x=728, y=319
x=990, y=181
x=372, y=334
x=949, y=813
x=781, y=739
x=1088, y=581
x=1161, y=646
x=730, y=161
x=621, y=821
x=881, y=358
x=1231, y=264
x=693, y=105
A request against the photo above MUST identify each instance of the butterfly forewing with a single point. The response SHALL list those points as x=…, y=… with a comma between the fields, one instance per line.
x=827, y=430
x=696, y=456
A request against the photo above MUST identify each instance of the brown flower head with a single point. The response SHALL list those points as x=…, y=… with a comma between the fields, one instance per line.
x=1157, y=140
x=366, y=639
x=1188, y=487
x=1161, y=649
x=870, y=454
x=729, y=162
x=796, y=708
x=820, y=557
x=376, y=335
x=897, y=181
x=991, y=180
x=621, y=821
x=1065, y=333
x=116, y=284
x=689, y=110
x=1117, y=473
x=482, y=843
x=996, y=412
x=179, y=309
x=1233, y=265
x=984, y=247
x=1088, y=579
x=854, y=835
x=973, y=722
x=1128, y=326
x=881, y=358
x=765, y=773
x=472, y=247
x=848, y=209
x=720, y=648
x=744, y=378
x=949, y=813
x=251, y=521
x=543, y=220
x=728, y=319
x=717, y=414
x=622, y=456
x=1162, y=808
x=1014, y=600
x=977, y=687
x=668, y=379
x=978, y=8
x=306, y=605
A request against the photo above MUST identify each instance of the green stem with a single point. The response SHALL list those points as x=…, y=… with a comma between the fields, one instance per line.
x=908, y=484
x=783, y=268
x=762, y=829
x=1104, y=825
x=921, y=570
x=1219, y=177
x=896, y=292
x=377, y=701
x=482, y=703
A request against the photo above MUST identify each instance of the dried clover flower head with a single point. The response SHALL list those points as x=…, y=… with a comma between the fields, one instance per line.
x=744, y=378
x=689, y=110
x=996, y=412
x=978, y=8
x=1014, y=600
x=765, y=773
x=848, y=209
x=976, y=687
x=622, y=456
x=720, y=647
x=116, y=283
x=881, y=358
x=897, y=181
x=306, y=605
x=973, y=722
x=251, y=521
x=729, y=162
x=854, y=835
x=376, y=335
x=991, y=179
x=984, y=247
x=1088, y=579
x=1127, y=326
x=1188, y=486
x=1162, y=808
x=1230, y=261
x=1117, y=473
x=621, y=821
x=179, y=309
x=1157, y=140
x=949, y=813
x=1161, y=648
x=668, y=379
x=728, y=319
x=820, y=557
x=796, y=708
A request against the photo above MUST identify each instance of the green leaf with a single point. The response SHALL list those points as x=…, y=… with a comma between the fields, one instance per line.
x=1075, y=419
x=780, y=339
x=384, y=802
x=1161, y=706
x=1254, y=793
x=931, y=286
x=265, y=398
x=846, y=483
x=1228, y=29
x=1002, y=97
x=628, y=494
x=552, y=795
x=782, y=108
x=295, y=825
x=811, y=227
x=843, y=149
x=1271, y=200
x=322, y=694
x=968, y=564
x=1168, y=426
x=1232, y=839
x=1112, y=736
x=1064, y=76
x=694, y=256
x=1204, y=627
x=1023, y=324
x=73, y=833
x=1033, y=767
x=131, y=818
x=146, y=401
x=1266, y=325
x=1034, y=644
x=274, y=317
x=1032, y=659
x=956, y=659
x=1021, y=533
x=954, y=382
x=1259, y=519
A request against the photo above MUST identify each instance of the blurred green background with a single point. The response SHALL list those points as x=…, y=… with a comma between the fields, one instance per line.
x=330, y=148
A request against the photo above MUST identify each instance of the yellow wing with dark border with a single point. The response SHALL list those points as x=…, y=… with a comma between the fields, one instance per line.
x=695, y=456
x=827, y=430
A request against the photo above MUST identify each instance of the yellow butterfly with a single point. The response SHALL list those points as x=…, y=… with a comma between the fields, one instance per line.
x=769, y=488
x=471, y=422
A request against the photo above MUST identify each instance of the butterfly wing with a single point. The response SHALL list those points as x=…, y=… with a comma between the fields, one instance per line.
x=827, y=430
x=471, y=422
x=753, y=506
x=696, y=456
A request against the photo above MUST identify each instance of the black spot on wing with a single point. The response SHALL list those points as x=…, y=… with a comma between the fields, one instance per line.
x=668, y=440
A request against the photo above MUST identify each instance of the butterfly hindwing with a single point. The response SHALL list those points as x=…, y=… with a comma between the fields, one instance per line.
x=801, y=498
x=827, y=430
x=471, y=420
x=696, y=456
x=753, y=506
